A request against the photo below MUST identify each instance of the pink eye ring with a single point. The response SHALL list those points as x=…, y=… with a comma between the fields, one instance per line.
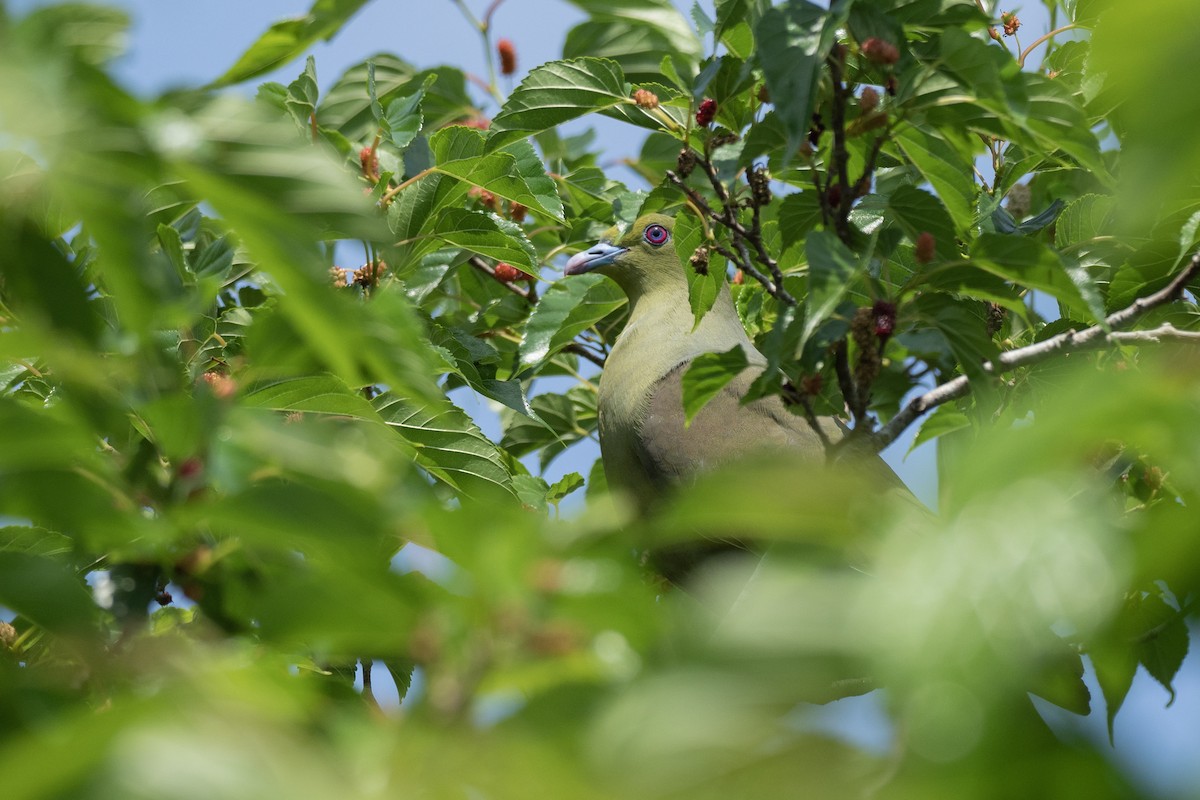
x=656, y=235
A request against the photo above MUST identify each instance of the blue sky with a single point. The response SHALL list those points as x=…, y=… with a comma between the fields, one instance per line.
x=175, y=43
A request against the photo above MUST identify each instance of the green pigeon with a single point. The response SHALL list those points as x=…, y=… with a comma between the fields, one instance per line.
x=644, y=442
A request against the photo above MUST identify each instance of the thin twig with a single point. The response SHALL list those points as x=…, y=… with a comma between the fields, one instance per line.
x=395, y=190
x=872, y=157
x=740, y=236
x=841, y=366
x=796, y=397
x=1098, y=335
x=530, y=294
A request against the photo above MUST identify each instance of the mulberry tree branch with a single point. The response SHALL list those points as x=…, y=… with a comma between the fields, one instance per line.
x=1071, y=341
x=743, y=238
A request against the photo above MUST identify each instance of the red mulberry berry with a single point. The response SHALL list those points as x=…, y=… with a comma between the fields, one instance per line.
x=879, y=51
x=507, y=273
x=508, y=56
x=925, y=247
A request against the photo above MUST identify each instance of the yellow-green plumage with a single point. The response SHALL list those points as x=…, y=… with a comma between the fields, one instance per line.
x=644, y=442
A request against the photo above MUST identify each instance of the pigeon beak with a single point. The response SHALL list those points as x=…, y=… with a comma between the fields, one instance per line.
x=600, y=255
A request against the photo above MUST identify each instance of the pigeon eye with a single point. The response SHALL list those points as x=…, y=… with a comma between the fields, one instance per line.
x=656, y=235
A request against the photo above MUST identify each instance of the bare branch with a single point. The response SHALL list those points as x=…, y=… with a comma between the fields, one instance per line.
x=837, y=121
x=583, y=352
x=1070, y=341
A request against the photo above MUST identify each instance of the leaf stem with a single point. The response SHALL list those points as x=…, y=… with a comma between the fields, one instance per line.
x=1041, y=40
x=391, y=193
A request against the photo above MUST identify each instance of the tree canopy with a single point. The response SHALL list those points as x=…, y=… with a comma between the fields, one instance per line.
x=237, y=495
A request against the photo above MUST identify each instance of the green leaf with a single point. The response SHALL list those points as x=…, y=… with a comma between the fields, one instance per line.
x=946, y=169
x=1083, y=220
x=946, y=419
x=634, y=33
x=323, y=394
x=34, y=541
x=799, y=213
x=403, y=119
x=562, y=420
x=41, y=282
x=288, y=38
x=448, y=444
x=831, y=270
x=702, y=288
x=347, y=108
x=558, y=92
x=1115, y=666
x=488, y=235
x=515, y=173
x=1030, y=263
x=706, y=376
x=301, y=100
x=561, y=488
x=568, y=308
x=961, y=324
x=47, y=591
x=971, y=281
x=793, y=43
x=1163, y=646
x=917, y=211
x=475, y=361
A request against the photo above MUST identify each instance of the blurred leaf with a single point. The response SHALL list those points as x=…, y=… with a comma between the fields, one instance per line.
x=43, y=284
x=95, y=33
x=946, y=419
x=1163, y=645
x=1115, y=667
x=288, y=38
x=46, y=591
